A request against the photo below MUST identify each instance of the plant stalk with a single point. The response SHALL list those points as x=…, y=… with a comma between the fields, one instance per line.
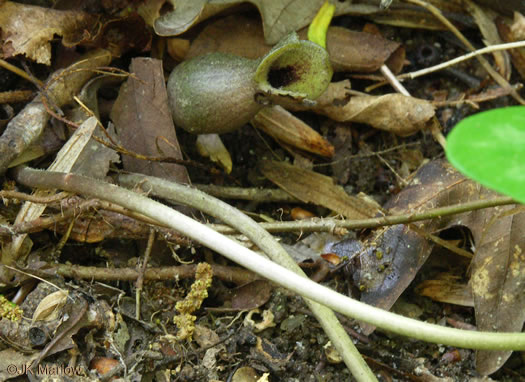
x=235, y=252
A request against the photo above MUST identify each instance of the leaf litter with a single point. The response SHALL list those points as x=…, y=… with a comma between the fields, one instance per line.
x=380, y=265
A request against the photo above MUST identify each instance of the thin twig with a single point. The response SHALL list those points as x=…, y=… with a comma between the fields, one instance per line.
x=254, y=194
x=14, y=96
x=465, y=57
x=368, y=154
x=274, y=272
x=142, y=270
x=210, y=238
x=391, y=78
x=46, y=199
x=495, y=75
x=229, y=274
x=14, y=69
x=329, y=224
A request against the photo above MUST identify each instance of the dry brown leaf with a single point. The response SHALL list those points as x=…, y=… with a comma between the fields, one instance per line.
x=408, y=16
x=388, y=261
x=185, y=15
x=63, y=162
x=143, y=122
x=122, y=35
x=103, y=365
x=150, y=11
x=285, y=127
x=447, y=288
x=484, y=96
x=95, y=159
x=353, y=51
x=484, y=18
x=280, y=17
x=252, y=295
x=512, y=33
x=238, y=35
x=103, y=225
x=211, y=146
x=350, y=51
x=396, y=113
x=49, y=308
x=77, y=315
x=518, y=26
x=311, y=187
x=342, y=161
x=497, y=279
x=392, y=256
x=28, y=29
x=25, y=128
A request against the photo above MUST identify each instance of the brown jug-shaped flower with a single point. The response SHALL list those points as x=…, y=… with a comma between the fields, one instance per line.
x=218, y=92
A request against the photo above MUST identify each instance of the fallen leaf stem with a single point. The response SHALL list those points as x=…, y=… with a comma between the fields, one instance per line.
x=248, y=193
x=486, y=65
x=237, y=253
x=329, y=224
x=465, y=57
x=208, y=237
x=229, y=274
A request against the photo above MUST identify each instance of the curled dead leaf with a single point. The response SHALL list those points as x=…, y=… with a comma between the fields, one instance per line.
x=49, y=308
x=391, y=257
x=350, y=51
x=287, y=128
x=28, y=29
x=511, y=33
x=312, y=187
x=399, y=114
x=266, y=322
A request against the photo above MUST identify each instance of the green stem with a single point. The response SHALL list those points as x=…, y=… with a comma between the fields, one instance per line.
x=278, y=274
x=208, y=237
x=329, y=224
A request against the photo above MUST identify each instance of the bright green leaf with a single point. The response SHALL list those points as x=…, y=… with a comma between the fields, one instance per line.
x=489, y=147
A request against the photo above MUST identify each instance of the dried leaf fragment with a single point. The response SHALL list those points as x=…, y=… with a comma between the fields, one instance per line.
x=498, y=276
x=484, y=18
x=285, y=127
x=252, y=295
x=511, y=33
x=211, y=146
x=144, y=124
x=396, y=113
x=353, y=51
x=62, y=85
x=50, y=306
x=279, y=17
x=350, y=51
x=391, y=257
x=28, y=29
x=447, y=288
x=63, y=162
x=311, y=187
